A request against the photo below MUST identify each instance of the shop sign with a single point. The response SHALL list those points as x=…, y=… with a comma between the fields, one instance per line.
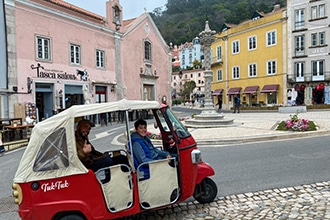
x=58, y=74
x=55, y=74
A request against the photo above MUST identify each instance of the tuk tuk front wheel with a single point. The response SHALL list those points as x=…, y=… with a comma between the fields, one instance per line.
x=206, y=191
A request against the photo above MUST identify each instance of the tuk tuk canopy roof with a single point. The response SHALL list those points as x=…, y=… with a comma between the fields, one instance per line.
x=66, y=120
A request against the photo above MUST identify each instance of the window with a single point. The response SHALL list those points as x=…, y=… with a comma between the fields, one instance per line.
x=219, y=53
x=75, y=54
x=322, y=38
x=317, y=68
x=147, y=51
x=300, y=45
x=252, y=43
x=314, y=39
x=322, y=11
x=43, y=48
x=252, y=70
x=219, y=75
x=235, y=46
x=236, y=72
x=299, y=69
x=271, y=67
x=299, y=19
x=100, y=58
x=116, y=15
x=314, y=12
x=53, y=153
x=317, y=11
x=271, y=38
x=318, y=39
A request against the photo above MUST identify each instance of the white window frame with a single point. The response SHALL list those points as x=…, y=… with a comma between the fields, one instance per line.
x=235, y=72
x=252, y=43
x=271, y=38
x=271, y=67
x=219, y=75
x=300, y=45
x=322, y=11
x=299, y=18
x=319, y=68
x=75, y=54
x=252, y=69
x=313, y=12
x=219, y=53
x=43, y=48
x=99, y=57
x=235, y=47
x=299, y=68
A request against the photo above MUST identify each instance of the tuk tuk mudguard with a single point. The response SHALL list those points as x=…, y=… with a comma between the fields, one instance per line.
x=203, y=170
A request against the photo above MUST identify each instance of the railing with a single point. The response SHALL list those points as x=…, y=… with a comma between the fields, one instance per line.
x=216, y=60
x=309, y=77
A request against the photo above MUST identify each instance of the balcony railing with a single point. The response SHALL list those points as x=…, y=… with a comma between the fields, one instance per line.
x=217, y=60
x=309, y=77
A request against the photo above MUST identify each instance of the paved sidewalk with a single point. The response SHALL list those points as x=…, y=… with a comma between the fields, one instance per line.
x=257, y=126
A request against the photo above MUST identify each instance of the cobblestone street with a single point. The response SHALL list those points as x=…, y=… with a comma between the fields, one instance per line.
x=298, y=202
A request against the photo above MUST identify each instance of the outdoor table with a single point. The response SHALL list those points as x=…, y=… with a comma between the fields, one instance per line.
x=17, y=131
x=8, y=121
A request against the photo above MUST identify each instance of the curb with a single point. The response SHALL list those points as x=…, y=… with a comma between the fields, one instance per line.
x=281, y=136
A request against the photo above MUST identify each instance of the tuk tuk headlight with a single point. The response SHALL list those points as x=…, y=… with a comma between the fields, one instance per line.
x=196, y=156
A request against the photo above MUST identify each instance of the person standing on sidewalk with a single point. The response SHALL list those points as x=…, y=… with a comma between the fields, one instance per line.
x=237, y=103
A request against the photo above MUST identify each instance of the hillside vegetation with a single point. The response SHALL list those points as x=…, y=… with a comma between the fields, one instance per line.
x=183, y=20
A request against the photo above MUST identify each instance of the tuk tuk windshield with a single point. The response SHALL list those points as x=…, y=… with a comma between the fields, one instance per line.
x=180, y=129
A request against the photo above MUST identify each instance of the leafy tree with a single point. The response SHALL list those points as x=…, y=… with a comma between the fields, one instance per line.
x=188, y=87
x=183, y=20
x=197, y=64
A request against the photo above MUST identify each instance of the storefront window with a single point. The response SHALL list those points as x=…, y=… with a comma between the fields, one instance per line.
x=271, y=98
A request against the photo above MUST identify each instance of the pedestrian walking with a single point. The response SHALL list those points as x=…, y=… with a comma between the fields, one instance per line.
x=237, y=103
x=219, y=104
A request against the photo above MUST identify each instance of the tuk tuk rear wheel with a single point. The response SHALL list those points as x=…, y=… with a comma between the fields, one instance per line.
x=206, y=191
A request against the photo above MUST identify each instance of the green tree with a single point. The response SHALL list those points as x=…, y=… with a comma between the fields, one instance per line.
x=197, y=64
x=188, y=87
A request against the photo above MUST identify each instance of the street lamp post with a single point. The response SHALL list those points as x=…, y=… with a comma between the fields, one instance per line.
x=180, y=83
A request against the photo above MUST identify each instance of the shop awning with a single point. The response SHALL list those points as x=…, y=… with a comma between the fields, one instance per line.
x=269, y=88
x=217, y=92
x=234, y=91
x=251, y=89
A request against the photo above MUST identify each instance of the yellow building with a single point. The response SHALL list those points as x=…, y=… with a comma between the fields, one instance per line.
x=250, y=60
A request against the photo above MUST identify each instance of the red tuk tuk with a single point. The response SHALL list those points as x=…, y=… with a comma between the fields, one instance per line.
x=52, y=183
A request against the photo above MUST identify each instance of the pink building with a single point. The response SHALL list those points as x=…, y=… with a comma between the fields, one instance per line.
x=64, y=55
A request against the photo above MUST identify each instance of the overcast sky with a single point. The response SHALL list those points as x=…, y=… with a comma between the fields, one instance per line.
x=131, y=8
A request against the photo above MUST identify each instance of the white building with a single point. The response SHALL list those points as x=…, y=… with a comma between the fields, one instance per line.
x=308, y=51
x=189, y=52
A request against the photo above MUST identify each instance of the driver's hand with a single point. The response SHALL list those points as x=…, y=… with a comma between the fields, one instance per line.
x=87, y=147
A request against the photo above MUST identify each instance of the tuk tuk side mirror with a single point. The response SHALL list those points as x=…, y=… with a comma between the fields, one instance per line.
x=196, y=156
